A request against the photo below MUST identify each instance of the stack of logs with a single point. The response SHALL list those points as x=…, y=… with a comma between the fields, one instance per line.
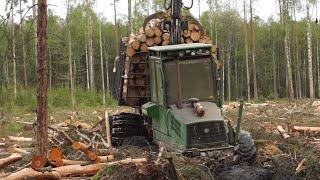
x=154, y=35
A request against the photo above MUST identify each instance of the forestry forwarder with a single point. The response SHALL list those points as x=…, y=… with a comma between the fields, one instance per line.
x=179, y=104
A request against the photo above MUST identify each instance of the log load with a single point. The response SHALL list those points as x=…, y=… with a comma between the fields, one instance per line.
x=153, y=35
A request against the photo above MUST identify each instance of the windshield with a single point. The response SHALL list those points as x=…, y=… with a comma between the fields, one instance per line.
x=196, y=80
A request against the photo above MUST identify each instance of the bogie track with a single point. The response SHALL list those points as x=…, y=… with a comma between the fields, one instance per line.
x=126, y=125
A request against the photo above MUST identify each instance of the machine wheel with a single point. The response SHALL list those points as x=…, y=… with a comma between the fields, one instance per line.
x=126, y=125
x=136, y=141
x=246, y=148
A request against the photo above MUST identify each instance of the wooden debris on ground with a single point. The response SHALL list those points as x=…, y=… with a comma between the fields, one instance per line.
x=88, y=151
x=9, y=160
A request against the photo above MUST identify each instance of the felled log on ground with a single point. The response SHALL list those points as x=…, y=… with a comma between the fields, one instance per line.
x=304, y=128
x=13, y=149
x=107, y=128
x=9, y=160
x=101, y=159
x=283, y=133
x=72, y=170
x=18, y=139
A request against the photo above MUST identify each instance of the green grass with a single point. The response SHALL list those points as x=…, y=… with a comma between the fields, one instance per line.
x=58, y=99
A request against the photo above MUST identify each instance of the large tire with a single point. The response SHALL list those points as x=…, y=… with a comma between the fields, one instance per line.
x=246, y=147
x=126, y=125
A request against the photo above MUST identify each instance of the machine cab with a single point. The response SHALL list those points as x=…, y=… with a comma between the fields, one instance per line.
x=181, y=72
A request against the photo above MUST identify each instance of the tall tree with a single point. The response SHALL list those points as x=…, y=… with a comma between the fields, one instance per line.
x=116, y=26
x=90, y=48
x=24, y=54
x=255, y=84
x=246, y=51
x=14, y=53
x=274, y=66
x=298, y=60
x=71, y=77
x=130, y=27
x=287, y=49
x=309, y=48
x=199, y=9
x=102, y=69
x=35, y=35
x=42, y=99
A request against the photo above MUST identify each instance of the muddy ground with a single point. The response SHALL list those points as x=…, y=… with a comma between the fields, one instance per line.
x=276, y=159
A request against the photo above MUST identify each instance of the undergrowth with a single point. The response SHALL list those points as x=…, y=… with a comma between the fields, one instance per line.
x=58, y=98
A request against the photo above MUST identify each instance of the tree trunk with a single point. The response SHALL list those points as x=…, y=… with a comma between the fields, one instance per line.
x=236, y=72
x=42, y=101
x=73, y=99
x=130, y=28
x=255, y=86
x=274, y=67
x=309, y=41
x=228, y=66
x=24, y=55
x=107, y=70
x=102, y=70
x=247, y=53
x=35, y=31
x=116, y=26
x=87, y=66
x=50, y=68
x=199, y=9
x=91, y=61
x=298, y=60
x=289, y=69
x=14, y=56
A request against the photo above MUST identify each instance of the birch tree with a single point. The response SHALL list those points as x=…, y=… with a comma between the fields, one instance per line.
x=102, y=69
x=246, y=51
x=24, y=55
x=14, y=53
x=309, y=48
x=35, y=35
x=255, y=85
x=71, y=77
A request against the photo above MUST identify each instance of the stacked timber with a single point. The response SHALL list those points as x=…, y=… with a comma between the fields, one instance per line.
x=154, y=35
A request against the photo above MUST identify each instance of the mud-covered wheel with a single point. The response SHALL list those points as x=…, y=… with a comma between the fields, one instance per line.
x=136, y=141
x=246, y=148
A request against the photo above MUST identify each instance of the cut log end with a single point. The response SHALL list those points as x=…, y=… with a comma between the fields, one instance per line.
x=55, y=154
x=38, y=162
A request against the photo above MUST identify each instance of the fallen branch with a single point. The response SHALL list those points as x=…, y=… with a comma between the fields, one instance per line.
x=9, y=160
x=300, y=166
x=283, y=132
x=72, y=170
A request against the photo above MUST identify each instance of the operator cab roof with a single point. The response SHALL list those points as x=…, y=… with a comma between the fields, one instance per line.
x=180, y=47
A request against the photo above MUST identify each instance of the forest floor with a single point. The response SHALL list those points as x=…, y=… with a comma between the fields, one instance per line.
x=277, y=158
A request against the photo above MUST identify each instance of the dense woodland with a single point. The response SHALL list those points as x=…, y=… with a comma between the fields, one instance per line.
x=261, y=59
